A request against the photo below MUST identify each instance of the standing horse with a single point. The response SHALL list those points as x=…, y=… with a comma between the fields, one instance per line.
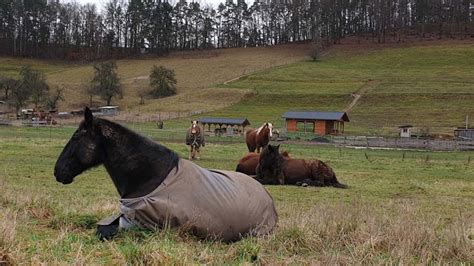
x=158, y=189
x=259, y=138
x=273, y=168
x=195, y=139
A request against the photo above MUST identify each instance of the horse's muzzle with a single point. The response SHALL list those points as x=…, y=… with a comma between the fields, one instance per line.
x=61, y=178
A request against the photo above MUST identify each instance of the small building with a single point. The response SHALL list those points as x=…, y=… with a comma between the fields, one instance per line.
x=405, y=131
x=229, y=126
x=107, y=110
x=464, y=133
x=321, y=123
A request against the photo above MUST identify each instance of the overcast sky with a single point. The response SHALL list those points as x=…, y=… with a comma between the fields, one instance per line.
x=100, y=3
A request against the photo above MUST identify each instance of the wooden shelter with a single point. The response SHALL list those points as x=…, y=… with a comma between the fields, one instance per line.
x=108, y=110
x=405, y=131
x=464, y=133
x=230, y=126
x=321, y=123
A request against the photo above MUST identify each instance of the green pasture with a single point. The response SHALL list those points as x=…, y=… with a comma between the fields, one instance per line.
x=430, y=86
x=402, y=207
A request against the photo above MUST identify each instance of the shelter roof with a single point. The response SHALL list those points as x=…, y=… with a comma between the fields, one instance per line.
x=226, y=121
x=304, y=115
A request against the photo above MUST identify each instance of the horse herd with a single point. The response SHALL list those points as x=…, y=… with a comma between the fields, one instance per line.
x=267, y=164
x=158, y=189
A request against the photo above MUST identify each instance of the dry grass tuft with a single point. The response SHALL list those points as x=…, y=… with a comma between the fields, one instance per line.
x=8, y=224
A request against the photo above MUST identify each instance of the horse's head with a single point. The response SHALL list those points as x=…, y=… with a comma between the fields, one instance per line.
x=194, y=127
x=270, y=162
x=266, y=129
x=81, y=152
x=270, y=129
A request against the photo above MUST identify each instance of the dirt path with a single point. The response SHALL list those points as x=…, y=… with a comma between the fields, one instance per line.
x=361, y=91
x=233, y=79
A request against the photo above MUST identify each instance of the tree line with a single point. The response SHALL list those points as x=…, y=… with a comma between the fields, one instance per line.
x=30, y=88
x=52, y=29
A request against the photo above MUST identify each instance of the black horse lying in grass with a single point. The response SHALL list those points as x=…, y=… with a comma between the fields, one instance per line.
x=274, y=168
x=159, y=189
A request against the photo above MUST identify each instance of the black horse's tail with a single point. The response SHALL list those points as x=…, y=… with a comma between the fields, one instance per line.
x=339, y=185
x=335, y=183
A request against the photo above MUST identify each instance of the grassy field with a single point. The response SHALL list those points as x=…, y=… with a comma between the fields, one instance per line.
x=402, y=207
x=426, y=85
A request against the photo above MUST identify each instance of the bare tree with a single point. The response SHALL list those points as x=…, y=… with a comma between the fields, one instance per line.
x=7, y=84
x=55, y=98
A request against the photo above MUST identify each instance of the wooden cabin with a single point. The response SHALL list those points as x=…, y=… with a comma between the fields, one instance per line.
x=228, y=126
x=321, y=123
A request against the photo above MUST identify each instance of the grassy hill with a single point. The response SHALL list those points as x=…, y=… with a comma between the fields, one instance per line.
x=429, y=86
x=196, y=73
x=405, y=207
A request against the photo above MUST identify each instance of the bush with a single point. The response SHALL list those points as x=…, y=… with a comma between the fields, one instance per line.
x=162, y=82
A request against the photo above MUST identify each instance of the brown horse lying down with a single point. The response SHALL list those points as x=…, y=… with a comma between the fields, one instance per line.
x=273, y=168
x=248, y=164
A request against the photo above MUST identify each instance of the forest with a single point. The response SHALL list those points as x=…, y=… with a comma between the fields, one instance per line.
x=68, y=30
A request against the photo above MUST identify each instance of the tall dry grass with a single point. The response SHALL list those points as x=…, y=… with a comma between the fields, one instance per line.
x=361, y=233
x=8, y=224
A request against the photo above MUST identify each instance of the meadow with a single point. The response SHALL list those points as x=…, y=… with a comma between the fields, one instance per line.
x=404, y=207
x=427, y=85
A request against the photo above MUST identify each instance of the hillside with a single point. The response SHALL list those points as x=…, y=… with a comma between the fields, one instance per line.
x=429, y=85
x=196, y=72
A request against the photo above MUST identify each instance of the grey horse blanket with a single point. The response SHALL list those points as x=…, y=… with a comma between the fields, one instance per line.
x=197, y=139
x=215, y=204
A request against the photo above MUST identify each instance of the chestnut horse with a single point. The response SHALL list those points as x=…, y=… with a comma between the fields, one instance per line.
x=259, y=138
x=195, y=139
x=248, y=164
x=273, y=168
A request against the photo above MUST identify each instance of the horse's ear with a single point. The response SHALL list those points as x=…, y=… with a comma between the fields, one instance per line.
x=277, y=147
x=88, y=117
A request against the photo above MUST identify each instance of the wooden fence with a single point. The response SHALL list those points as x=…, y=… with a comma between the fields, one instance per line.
x=404, y=143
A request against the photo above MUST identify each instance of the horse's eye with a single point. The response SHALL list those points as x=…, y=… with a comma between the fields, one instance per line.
x=83, y=131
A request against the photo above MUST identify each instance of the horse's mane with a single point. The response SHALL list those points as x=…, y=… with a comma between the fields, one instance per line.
x=260, y=128
x=139, y=141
